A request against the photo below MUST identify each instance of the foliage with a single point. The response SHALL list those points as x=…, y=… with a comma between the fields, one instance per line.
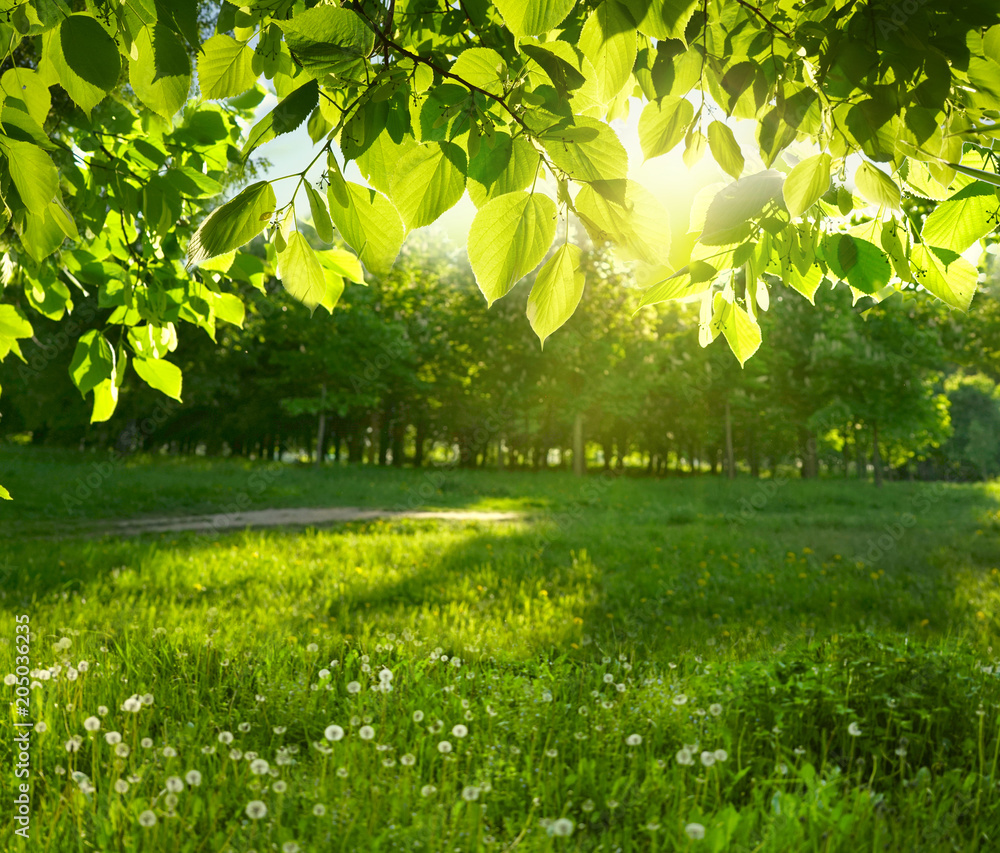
x=107, y=168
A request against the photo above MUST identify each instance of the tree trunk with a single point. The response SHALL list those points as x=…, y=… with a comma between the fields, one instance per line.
x=579, y=457
x=876, y=458
x=321, y=430
x=730, y=461
x=421, y=439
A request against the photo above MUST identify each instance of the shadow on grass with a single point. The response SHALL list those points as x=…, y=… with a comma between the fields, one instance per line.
x=664, y=577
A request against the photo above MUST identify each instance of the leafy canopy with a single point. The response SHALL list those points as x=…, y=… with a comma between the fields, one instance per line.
x=119, y=129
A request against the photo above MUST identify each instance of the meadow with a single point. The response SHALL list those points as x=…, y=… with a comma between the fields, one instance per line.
x=637, y=665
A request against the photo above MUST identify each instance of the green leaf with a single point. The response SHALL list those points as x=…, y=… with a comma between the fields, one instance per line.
x=428, y=180
x=370, y=225
x=725, y=149
x=4, y=494
x=736, y=204
x=90, y=52
x=953, y=282
x=325, y=39
x=533, y=17
x=588, y=150
x=234, y=224
x=482, y=67
x=27, y=86
x=663, y=19
x=507, y=167
x=556, y=291
x=320, y=214
x=54, y=67
x=289, y=113
x=225, y=68
x=160, y=374
x=680, y=285
x=639, y=228
x=979, y=174
x=966, y=217
x=300, y=271
x=105, y=401
x=608, y=40
x=740, y=329
x=804, y=185
x=860, y=263
x=876, y=187
x=33, y=173
x=663, y=124
x=13, y=326
x=343, y=264
x=229, y=308
x=508, y=239
x=93, y=361
x=161, y=76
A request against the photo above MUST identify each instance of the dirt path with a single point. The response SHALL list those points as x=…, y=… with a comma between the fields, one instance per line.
x=296, y=516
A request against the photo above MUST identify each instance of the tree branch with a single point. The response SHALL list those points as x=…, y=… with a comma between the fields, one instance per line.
x=756, y=10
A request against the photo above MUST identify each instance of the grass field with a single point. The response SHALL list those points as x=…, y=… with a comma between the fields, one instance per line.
x=638, y=665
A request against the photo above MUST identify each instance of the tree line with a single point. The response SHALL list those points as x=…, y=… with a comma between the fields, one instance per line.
x=406, y=371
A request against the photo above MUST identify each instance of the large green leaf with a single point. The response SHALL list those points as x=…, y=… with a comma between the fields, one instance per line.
x=507, y=167
x=588, y=150
x=482, y=67
x=56, y=68
x=725, y=149
x=89, y=51
x=320, y=214
x=533, y=17
x=161, y=75
x=225, y=67
x=160, y=374
x=639, y=228
x=324, y=39
x=876, y=187
x=93, y=361
x=428, y=180
x=300, y=271
x=105, y=401
x=953, y=282
x=740, y=329
x=608, y=40
x=370, y=225
x=966, y=217
x=556, y=291
x=287, y=115
x=13, y=326
x=33, y=173
x=663, y=124
x=234, y=224
x=663, y=19
x=859, y=262
x=737, y=203
x=26, y=85
x=508, y=239
x=804, y=185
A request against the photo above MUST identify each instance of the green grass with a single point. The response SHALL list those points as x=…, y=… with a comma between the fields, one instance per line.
x=585, y=624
